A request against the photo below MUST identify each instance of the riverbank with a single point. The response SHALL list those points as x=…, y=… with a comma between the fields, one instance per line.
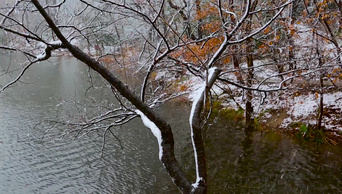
x=292, y=111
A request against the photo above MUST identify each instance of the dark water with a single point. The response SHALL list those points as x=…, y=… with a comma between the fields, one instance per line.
x=261, y=162
x=267, y=162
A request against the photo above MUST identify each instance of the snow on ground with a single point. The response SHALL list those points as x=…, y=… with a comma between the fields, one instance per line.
x=294, y=107
x=334, y=99
x=304, y=109
x=303, y=106
x=298, y=107
x=334, y=103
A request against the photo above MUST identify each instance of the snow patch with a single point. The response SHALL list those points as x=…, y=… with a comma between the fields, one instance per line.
x=304, y=106
x=154, y=129
x=333, y=99
x=286, y=122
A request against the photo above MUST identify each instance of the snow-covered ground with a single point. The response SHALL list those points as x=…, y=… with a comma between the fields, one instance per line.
x=298, y=107
x=304, y=109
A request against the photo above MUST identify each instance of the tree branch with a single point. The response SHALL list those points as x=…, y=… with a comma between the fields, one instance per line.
x=196, y=131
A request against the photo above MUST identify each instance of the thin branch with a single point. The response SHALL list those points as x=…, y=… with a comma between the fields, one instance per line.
x=20, y=75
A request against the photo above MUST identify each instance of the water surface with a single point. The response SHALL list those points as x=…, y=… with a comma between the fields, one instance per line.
x=33, y=160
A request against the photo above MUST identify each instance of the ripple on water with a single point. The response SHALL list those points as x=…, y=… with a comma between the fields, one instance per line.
x=260, y=162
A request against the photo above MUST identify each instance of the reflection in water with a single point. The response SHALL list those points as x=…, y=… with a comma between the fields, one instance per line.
x=30, y=164
x=265, y=162
x=239, y=161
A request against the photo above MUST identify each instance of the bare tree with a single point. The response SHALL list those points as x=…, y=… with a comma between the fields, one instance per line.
x=89, y=24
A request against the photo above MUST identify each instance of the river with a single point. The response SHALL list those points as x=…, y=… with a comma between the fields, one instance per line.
x=33, y=160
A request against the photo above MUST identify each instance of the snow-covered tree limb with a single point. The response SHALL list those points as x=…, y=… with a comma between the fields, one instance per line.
x=196, y=129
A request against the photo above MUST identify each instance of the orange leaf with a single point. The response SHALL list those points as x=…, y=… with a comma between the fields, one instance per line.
x=226, y=60
x=267, y=30
x=292, y=32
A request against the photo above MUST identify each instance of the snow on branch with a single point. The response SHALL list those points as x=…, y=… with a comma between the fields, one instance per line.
x=228, y=36
x=199, y=93
x=154, y=129
x=194, y=120
x=41, y=57
x=53, y=45
x=264, y=26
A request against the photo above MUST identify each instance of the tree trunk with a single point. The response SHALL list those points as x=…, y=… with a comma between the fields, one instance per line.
x=249, y=107
x=321, y=106
x=249, y=57
x=320, y=109
x=236, y=63
x=199, y=22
